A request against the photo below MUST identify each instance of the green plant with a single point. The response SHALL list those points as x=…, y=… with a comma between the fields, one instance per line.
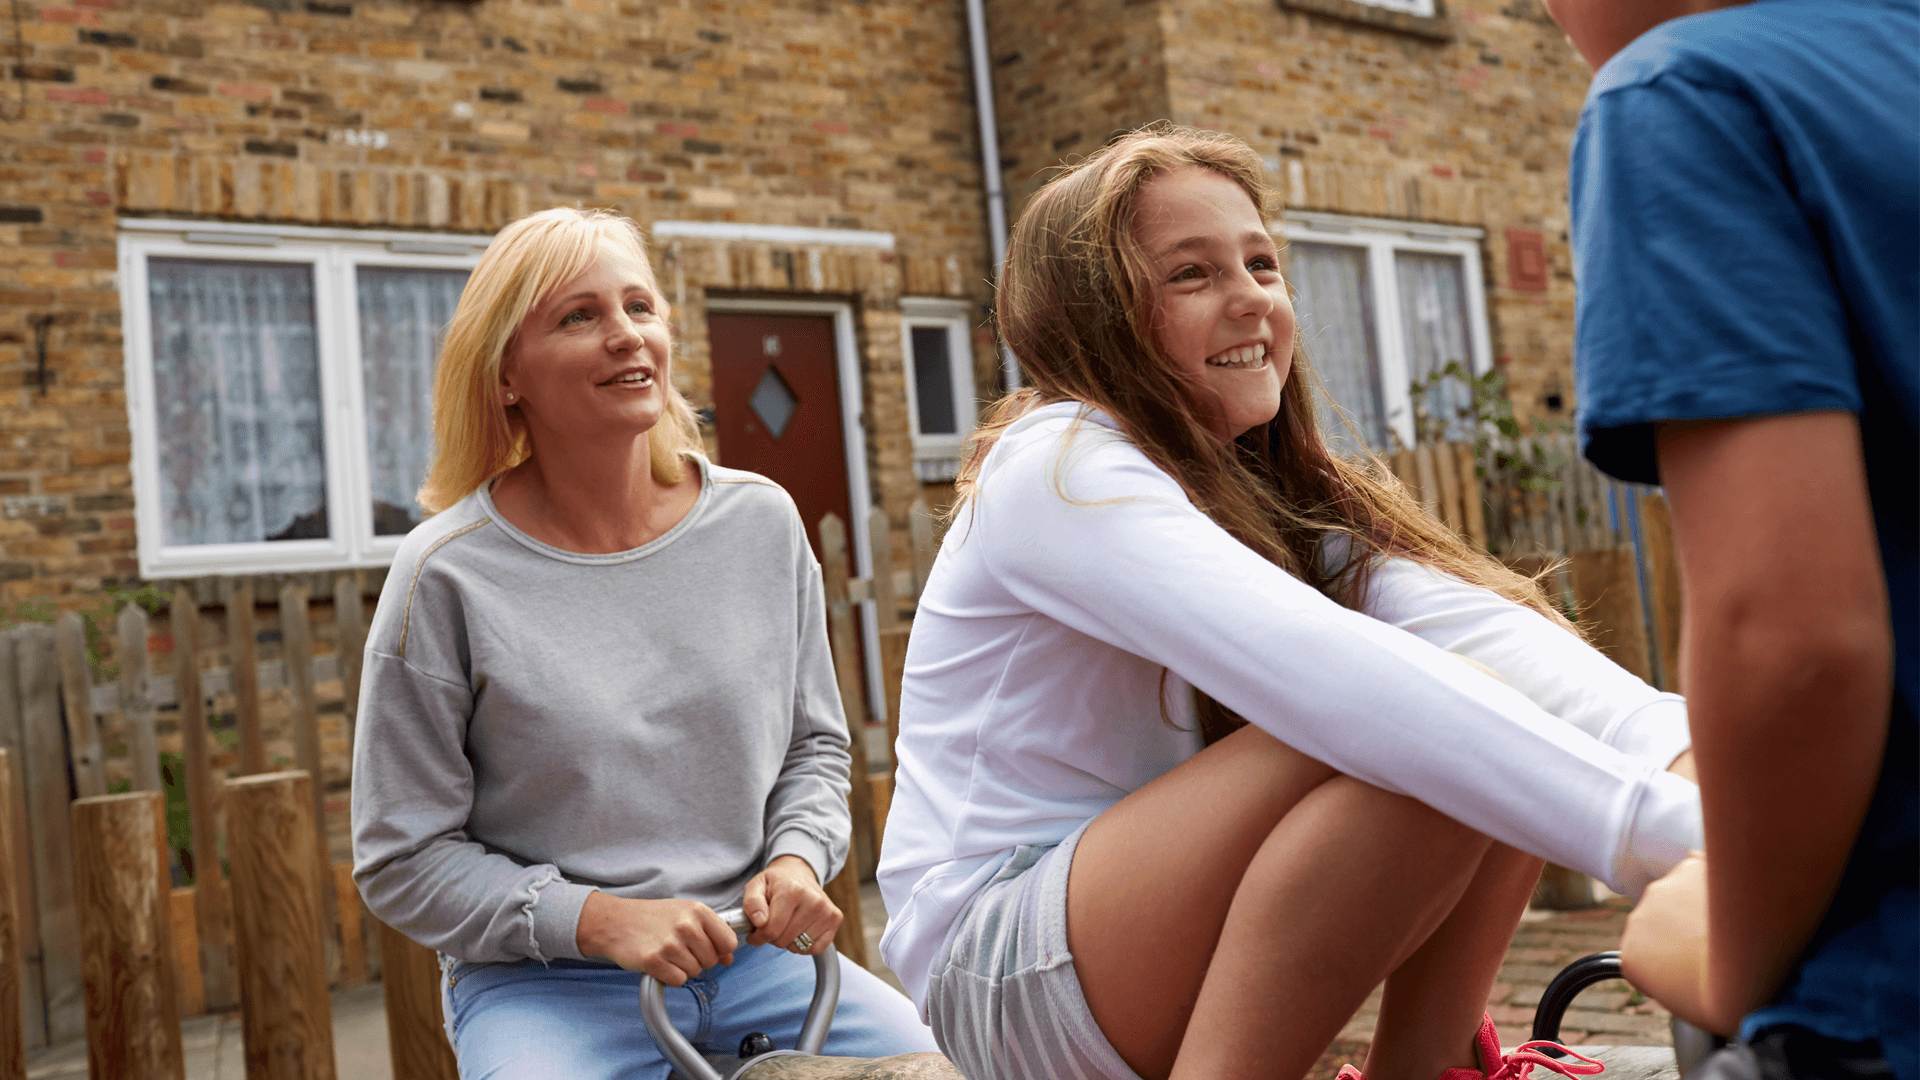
x=173, y=783
x=1454, y=403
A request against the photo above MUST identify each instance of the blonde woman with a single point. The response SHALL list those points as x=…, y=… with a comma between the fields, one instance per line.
x=598, y=701
x=1188, y=764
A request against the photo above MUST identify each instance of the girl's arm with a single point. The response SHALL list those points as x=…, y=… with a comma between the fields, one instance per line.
x=1102, y=541
x=1550, y=665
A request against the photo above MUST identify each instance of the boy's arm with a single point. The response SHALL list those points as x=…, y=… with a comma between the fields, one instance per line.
x=1787, y=662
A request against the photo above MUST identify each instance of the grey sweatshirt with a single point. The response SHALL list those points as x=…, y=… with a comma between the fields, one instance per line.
x=535, y=724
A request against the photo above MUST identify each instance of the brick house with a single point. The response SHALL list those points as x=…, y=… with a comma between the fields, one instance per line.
x=259, y=210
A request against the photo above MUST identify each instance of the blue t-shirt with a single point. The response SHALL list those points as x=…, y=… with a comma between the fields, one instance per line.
x=1746, y=227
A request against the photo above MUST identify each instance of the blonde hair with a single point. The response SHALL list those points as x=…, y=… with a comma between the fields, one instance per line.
x=475, y=436
x=1076, y=306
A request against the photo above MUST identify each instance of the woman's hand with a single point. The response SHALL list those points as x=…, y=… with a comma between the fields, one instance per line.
x=784, y=901
x=1664, y=949
x=671, y=940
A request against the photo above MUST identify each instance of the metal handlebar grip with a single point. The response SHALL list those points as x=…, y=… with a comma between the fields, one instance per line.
x=1577, y=976
x=688, y=1061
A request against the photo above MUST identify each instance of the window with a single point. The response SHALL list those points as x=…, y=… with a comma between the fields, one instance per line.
x=1383, y=305
x=279, y=385
x=940, y=391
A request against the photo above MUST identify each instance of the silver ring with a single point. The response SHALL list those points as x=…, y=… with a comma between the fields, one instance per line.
x=803, y=942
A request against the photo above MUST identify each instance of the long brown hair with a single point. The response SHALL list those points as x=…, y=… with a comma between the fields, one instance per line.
x=1076, y=306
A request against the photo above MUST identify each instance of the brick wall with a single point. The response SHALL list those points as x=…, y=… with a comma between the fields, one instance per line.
x=1367, y=120
x=1067, y=75
x=453, y=117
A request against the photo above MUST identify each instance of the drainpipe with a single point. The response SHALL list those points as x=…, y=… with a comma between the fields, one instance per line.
x=990, y=163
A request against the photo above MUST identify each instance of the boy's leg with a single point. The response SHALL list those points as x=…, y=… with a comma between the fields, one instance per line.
x=768, y=990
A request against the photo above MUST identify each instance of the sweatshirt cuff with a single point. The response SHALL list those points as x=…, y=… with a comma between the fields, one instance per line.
x=1663, y=827
x=1655, y=732
x=795, y=842
x=554, y=914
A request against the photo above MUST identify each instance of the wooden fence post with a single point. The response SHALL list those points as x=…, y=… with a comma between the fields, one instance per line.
x=843, y=638
x=880, y=540
x=349, y=619
x=210, y=901
x=1663, y=586
x=121, y=882
x=1606, y=588
x=51, y=829
x=83, y=738
x=416, y=1032
x=32, y=1014
x=920, y=524
x=1471, y=497
x=136, y=702
x=844, y=889
x=296, y=644
x=13, y=968
x=244, y=650
x=288, y=1020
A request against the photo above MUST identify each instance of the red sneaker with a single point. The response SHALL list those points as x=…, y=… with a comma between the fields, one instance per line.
x=1514, y=1066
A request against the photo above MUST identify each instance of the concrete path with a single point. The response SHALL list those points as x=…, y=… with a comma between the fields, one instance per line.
x=213, y=1044
x=1610, y=1015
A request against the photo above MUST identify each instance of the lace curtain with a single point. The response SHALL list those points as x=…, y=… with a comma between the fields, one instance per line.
x=402, y=311
x=237, y=397
x=1334, y=309
x=1433, y=321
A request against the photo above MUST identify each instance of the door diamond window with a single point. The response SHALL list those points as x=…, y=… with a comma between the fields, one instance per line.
x=773, y=402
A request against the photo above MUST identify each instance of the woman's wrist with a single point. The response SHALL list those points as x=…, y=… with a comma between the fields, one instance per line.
x=593, y=936
x=793, y=864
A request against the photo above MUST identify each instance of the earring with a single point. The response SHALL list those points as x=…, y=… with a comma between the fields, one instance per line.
x=510, y=397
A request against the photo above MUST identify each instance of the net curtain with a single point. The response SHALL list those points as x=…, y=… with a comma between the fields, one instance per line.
x=237, y=399
x=402, y=312
x=1335, y=315
x=1433, y=320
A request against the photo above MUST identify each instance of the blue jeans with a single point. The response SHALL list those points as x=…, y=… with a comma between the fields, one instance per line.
x=572, y=1021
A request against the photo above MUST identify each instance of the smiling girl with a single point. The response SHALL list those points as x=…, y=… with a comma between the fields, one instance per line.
x=1189, y=762
x=598, y=700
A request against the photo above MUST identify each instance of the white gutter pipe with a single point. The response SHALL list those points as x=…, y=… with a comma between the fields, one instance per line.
x=990, y=164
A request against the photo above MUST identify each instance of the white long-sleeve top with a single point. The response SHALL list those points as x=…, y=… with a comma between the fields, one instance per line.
x=1080, y=572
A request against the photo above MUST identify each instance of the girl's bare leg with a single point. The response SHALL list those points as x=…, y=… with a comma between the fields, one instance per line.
x=1314, y=887
x=1441, y=990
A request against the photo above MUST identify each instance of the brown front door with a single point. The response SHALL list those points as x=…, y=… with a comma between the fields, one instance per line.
x=776, y=408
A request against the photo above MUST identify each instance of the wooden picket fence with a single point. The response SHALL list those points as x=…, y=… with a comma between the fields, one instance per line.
x=59, y=725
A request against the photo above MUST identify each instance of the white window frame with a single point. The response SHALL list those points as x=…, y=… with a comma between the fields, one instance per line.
x=1381, y=238
x=334, y=255
x=936, y=457
x=1422, y=8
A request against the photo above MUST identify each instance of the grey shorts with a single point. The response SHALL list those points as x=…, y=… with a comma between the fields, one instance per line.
x=1004, y=1000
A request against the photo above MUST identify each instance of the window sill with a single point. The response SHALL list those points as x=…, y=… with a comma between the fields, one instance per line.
x=1435, y=27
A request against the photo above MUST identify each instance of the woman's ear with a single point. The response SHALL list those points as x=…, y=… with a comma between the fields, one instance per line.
x=509, y=393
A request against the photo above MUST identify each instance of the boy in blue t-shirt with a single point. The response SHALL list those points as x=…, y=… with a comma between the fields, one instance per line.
x=1746, y=225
